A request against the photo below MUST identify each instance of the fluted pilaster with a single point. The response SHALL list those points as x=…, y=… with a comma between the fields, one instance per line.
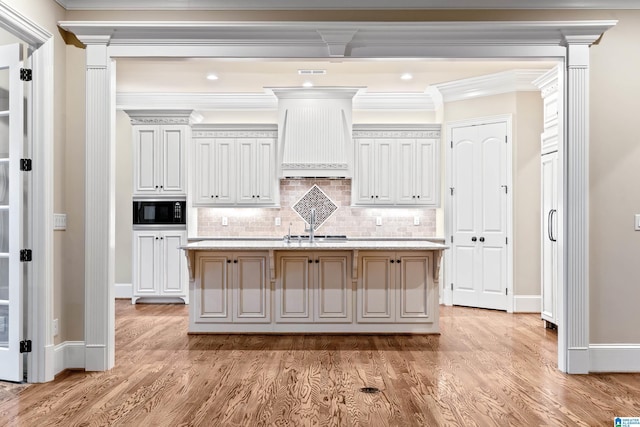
x=577, y=208
x=99, y=210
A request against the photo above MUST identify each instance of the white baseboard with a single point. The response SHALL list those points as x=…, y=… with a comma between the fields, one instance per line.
x=527, y=303
x=124, y=290
x=68, y=355
x=614, y=358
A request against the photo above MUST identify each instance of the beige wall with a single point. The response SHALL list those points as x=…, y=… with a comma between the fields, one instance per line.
x=614, y=153
x=526, y=111
x=124, y=186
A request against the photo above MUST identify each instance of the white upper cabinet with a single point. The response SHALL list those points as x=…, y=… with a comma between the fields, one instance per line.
x=234, y=165
x=256, y=166
x=159, y=152
x=397, y=165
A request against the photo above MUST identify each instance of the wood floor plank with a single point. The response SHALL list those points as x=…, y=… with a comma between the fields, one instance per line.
x=487, y=368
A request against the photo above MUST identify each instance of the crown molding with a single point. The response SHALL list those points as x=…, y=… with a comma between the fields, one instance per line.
x=262, y=101
x=431, y=100
x=342, y=4
x=310, y=39
x=491, y=84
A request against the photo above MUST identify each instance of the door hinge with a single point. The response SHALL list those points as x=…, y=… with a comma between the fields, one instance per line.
x=26, y=74
x=25, y=165
x=506, y=188
x=505, y=139
x=506, y=291
x=452, y=286
x=451, y=239
x=452, y=190
x=451, y=143
x=26, y=255
x=506, y=240
x=25, y=346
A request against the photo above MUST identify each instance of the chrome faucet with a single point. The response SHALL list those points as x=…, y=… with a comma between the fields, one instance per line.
x=312, y=224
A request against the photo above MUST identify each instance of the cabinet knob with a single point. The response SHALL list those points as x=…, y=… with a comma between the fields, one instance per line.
x=376, y=197
x=317, y=261
x=253, y=197
x=258, y=196
x=156, y=238
x=162, y=238
x=482, y=239
x=418, y=196
x=372, y=197
x=474, y=238
x=413, y=197
x=156, y=186
x=398, y=261
x=310, y=261
x=235, y=261
x=228, y=261
x=393, y=261
x=162, y=186
x=216, y=196
x=212, y=196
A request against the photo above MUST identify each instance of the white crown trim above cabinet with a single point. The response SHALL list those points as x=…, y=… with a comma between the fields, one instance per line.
x=397, y=165
x=234, y=165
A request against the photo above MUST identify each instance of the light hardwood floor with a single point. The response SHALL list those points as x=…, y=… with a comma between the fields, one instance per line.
x=486, y=369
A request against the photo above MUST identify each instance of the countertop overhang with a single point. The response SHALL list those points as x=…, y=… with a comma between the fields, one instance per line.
x=330, y=244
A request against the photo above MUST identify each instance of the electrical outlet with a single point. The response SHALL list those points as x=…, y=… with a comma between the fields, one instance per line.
x=278, y=221
x=225, y=221
x=59, y=221
x=416, y=220
x=378, y=220
x=55, y=327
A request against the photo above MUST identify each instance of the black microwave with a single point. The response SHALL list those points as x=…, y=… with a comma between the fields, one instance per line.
x=159, y=212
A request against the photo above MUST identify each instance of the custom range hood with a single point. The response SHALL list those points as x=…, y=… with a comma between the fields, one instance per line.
x=314, y=132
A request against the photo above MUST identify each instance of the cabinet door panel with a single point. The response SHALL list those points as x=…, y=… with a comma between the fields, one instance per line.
x=427, y=172
x=385, y=182
x=246, y=167
x=224, y=171
x=174, y=263
x=333, y=288
x=203, y=178
x=376, y=293
x=173, y=149
x=414, y=301
x=293, y=292
x=406, y=188
x=251, y=289
x=364, y=184
x=145, y=156
x=213, y=303
x=145, y=251
x=265, y=171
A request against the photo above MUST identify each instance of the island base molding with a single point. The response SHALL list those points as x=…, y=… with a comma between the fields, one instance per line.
x=316, y=329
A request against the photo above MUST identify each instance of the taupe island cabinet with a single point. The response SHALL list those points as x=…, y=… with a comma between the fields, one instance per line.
x=325, y=286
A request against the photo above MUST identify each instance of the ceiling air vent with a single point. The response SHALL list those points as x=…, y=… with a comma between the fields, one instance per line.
x=312, y=72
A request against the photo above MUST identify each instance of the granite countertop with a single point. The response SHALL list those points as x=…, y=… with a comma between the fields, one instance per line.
x=280, y=244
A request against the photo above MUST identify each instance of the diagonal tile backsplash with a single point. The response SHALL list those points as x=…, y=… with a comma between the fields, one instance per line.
x=316, y=199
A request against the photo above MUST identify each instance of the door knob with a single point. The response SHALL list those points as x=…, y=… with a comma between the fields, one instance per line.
x=482, y=239
x=474, y=238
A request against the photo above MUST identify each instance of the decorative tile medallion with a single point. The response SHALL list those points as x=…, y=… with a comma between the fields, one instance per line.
x=315, y=198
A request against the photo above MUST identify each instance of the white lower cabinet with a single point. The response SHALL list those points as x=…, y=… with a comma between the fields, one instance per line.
x=549, y=174
x=159, y=266
x=313, y=287
x=232, y=287
x=395, y=287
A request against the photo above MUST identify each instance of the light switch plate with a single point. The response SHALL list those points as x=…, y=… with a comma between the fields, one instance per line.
x=59, y=221
x=278, y=221
x=637, y=222
x=416, y=220
x=225, y=221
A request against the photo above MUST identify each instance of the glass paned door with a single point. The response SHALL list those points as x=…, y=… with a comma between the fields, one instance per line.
x=11, y=143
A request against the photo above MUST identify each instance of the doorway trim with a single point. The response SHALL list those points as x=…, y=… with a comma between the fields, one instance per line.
x=555, y=40
x=39, y=302
x=448, y=216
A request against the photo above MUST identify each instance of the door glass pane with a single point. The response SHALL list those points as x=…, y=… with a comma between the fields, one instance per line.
x=4, y=183
x=4, y=279
x=4, y=231
x=4, y=136
x=4, y=325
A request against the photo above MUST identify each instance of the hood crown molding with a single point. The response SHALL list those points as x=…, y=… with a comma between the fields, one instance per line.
x=342, y=4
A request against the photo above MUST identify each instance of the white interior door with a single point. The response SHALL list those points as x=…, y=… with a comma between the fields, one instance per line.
x=11, y=195
x=479, y=215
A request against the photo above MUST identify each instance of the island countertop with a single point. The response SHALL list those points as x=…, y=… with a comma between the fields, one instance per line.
x=318, y=244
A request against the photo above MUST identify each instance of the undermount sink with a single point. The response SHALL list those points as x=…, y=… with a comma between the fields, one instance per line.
x=319, y=238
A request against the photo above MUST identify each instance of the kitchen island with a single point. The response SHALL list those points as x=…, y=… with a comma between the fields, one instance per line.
x=324, y=286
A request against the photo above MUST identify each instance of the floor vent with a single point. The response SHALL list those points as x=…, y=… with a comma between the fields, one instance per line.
x=370, y=390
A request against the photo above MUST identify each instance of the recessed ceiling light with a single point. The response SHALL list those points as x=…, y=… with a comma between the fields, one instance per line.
x=212, y=76
x=406, y=76
x=307, y=84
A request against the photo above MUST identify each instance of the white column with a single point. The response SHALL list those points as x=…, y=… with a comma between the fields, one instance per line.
x=99, y=209
x=576, y=154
